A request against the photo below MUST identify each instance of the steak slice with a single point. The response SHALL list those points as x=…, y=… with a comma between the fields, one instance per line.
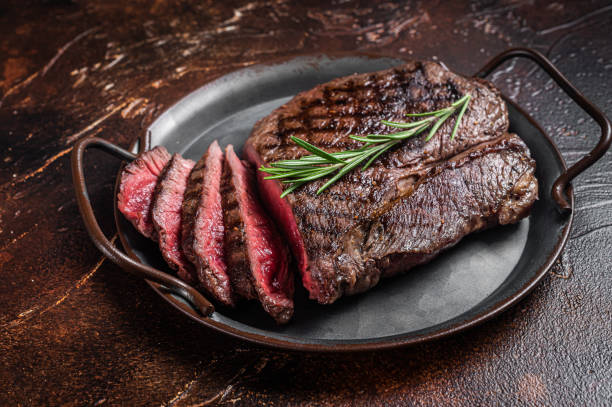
x=166, y=214
x=492, y=184
x=202, y=231
x=236, y=254
x=136, y=188
x=257, y=258
x=325, y=116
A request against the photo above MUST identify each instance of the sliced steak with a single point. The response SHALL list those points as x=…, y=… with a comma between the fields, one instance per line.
x=492, y=184
x=166, y=215
x=257, y=258
x=236, y=254
x=136, y=188
x=202, y=231
x=325, y=116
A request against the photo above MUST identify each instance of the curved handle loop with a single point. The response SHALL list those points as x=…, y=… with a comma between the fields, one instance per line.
x=562, y=183
x=173, y=284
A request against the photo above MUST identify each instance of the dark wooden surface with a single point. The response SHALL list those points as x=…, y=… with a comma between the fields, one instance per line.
x=76, y=330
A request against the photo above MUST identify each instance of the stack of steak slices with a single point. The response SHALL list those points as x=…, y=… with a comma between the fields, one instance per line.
x=416, y=200
x=189, y=207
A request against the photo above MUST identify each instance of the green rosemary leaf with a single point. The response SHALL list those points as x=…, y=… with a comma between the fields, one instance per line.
x=294, y=173
x=349, y=153
x=291, y=189
x=425, y=114
x=289, y=165
x=463, y=101
x=460, y=115
x=375, y=156
x=391, y=136
x=363, y=139
x=406, y=125
x=316, y=175
x=277, y=171
x=315, y=150
x=400, y=135
x=266, y=169
x=354, y=163
x=437, y=125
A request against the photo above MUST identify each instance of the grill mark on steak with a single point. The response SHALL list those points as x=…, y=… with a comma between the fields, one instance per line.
x=365, y=99
x=257, y=258
x=136, y=188
x=166, y=215
x=202, y=225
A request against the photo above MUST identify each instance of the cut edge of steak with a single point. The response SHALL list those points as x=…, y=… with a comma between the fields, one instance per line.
x=136, y=188
x=267, y=255
x=492, y=184
x=166, y=215
x=202, y=225
x=282, y=213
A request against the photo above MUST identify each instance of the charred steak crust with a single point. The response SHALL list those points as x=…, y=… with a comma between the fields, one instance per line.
x=202, y=225
x=266, y=255
x=136, y=188
x=166, y=215
x=236, y=255
x=325, y=116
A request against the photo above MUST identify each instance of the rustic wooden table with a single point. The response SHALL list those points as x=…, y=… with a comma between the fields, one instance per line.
x=76, y=330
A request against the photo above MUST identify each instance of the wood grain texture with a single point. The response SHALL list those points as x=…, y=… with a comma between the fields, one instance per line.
x=76, y=330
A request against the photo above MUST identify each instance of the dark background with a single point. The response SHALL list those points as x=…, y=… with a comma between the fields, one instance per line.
x=76, y=330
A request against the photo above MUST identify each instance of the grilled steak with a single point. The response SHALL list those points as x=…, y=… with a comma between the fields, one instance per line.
x=166, y=214
x=317, y=225
x=202, y=231
x=257, y=258
x=488, y=185
x=136, y=187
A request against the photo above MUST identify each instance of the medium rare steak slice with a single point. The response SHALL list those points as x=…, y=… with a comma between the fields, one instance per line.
x=166, y=214
x=326, y=115
x=136, y=187
x=256, y=256
x=236, y=254
x=202, y=231
x=493, y=184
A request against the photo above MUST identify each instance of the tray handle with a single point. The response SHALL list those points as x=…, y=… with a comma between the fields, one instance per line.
x=171, y=283
x=562, y=183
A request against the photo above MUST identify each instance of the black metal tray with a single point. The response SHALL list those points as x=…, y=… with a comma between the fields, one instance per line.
x=483, y=275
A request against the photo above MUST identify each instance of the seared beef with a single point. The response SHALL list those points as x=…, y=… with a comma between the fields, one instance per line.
x=166, y=214
x=257, y=258
x=491, y=184
x=316, y=225
x=138, y=181
x=202, y=225
x=236, y=254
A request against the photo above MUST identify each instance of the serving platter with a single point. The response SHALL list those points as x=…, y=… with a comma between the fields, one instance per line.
x=478, y=278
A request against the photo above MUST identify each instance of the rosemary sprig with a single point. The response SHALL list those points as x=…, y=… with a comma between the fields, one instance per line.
x=321, y=163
